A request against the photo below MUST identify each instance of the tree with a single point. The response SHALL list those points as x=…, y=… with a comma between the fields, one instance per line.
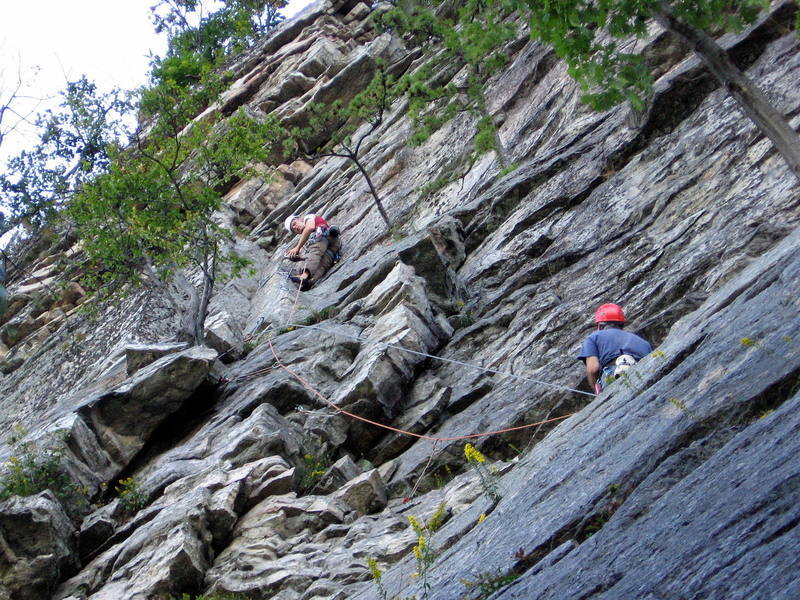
x=10, y=97
x=456, y=38
x=199, y=39
x=587, y=35
x=149, y=217
x=74, y=143
x=337, y=124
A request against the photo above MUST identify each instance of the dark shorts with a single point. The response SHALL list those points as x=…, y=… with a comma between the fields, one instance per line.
x=319, y=256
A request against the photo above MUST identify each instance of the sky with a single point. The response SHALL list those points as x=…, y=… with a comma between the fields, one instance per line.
x=50, y=42
x=46, y=43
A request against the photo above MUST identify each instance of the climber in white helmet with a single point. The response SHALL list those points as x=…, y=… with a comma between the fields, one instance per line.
x=322, y=246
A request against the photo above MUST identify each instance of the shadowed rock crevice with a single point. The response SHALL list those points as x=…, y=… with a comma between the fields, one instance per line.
x=775, y=395
x=175, y=430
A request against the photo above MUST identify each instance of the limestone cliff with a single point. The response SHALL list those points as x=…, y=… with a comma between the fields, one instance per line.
x=678, y=482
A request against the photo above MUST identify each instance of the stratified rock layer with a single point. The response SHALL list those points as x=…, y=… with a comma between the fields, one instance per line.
x=270, y=476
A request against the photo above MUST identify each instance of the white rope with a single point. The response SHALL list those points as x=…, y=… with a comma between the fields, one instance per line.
x=447, y=360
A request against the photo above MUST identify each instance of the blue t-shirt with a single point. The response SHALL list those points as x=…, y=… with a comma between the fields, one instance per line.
x=608, y=344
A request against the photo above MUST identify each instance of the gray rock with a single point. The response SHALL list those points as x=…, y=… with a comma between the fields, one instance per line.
x=676, y=213
x=124, y=418
x=339, y=473
x=141, y=355
x=365, y=494
x=37, y=546
x=427, y=401
x=223, y=334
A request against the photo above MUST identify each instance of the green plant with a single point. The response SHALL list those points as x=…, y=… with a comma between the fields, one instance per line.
x=424, y=552
x=432, y=187
x=508, y=169
x=632, y=380
x=131, y=497
x=516, y=451
x=199, y=38
x=457, y=39
x=330, y=130
x=318, y=316
x=441, y=479
x=466, y=318
x=311, y=471
x=681, y=406
x=149, y=217
x=487, y=476
x=377, y=577
x=75, y=141
x=488, y=583
x=33, y=470
x=17, y=433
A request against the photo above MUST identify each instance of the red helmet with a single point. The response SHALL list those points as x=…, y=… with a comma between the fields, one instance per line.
x=609, y=313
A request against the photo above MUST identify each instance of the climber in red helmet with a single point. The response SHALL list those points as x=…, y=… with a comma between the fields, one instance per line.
x=610, y=351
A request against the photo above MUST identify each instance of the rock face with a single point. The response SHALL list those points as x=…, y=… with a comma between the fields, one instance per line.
x=341, y=411
x=38, y=547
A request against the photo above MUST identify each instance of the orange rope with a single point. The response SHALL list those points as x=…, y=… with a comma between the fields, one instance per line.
x=421, y=436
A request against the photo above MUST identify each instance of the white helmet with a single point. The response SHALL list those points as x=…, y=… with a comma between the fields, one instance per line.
x=288, y=222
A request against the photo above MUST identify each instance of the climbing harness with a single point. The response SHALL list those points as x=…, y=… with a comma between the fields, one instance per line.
x=615, y=370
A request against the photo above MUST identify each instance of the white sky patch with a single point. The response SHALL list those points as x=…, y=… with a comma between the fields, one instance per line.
x=50, y=42
x=110, y=41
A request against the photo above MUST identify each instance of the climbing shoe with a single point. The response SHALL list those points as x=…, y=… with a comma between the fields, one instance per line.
x=303, y=284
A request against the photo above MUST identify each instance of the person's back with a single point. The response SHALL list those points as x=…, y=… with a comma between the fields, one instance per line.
x=611, y=342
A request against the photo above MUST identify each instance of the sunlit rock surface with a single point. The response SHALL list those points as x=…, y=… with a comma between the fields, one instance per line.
x=260, y=466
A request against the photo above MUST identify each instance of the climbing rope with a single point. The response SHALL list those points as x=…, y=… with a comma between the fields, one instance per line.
x=434, y=439
x=297, y=295
x=421, y=436
x=447, y=360
x=424, y=470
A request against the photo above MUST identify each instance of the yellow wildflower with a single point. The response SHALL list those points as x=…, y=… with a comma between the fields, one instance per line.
x=473, y=454
x=414, y=523
x=374, y=569
x=482, y=518
x=417, y=552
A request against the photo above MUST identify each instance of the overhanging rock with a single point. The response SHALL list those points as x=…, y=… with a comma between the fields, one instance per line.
x=124, y=418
